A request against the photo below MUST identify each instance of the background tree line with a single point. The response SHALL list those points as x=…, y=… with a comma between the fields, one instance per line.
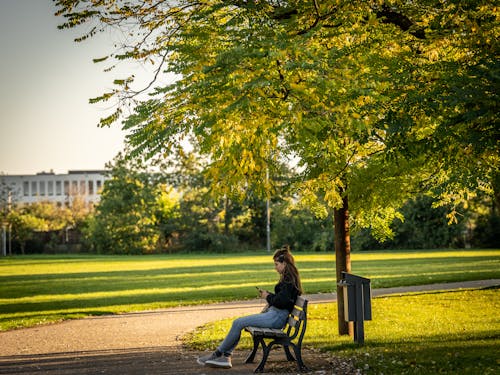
x=172, y=209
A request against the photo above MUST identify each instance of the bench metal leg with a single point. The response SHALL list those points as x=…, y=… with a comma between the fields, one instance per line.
x=285, y=342
x=298, y=354
x=265, y=353
x=289, y=356
x=251, y=357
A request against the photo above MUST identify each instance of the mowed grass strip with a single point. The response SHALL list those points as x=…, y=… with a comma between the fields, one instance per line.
x=40, y=289
x=454, y=332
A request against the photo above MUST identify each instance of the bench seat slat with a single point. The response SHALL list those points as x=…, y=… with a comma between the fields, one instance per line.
x=266, y=332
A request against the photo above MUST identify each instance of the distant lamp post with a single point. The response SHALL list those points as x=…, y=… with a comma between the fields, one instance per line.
x=10, y=239
x=9, y=208
x=268, y=226
x=268, y=216
x=5, y=225
x=4, y=239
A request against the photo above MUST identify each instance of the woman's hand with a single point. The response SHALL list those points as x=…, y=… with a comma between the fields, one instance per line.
x=263, y=293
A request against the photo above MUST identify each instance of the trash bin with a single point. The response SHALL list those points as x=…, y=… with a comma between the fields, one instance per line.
x=357, y=302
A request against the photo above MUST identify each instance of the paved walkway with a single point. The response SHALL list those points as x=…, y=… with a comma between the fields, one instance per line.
x=150, y=339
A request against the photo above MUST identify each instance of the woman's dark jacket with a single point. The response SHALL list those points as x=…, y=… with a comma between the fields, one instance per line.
x=284, y=296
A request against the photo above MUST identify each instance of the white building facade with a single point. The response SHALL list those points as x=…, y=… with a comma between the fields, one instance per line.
x=51, y=187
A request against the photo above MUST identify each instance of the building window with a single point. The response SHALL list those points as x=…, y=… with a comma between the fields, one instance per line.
x=82, y=187
x=74, y=187
x=91, y=187
x=26, y=188
x=42, y=187
x=50, y=188
x=98, y=186
x=66, y=187
x=34, y=186
x=58, y=188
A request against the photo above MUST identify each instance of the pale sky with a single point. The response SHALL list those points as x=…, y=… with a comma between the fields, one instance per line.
x=46, y=80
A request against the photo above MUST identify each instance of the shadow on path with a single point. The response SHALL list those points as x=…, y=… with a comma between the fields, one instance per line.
x=157, y=360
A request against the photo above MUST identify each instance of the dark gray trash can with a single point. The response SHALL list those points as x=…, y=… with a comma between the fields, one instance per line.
x=357, y=302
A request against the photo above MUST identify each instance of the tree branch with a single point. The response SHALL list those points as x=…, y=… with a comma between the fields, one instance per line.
x=403, y=22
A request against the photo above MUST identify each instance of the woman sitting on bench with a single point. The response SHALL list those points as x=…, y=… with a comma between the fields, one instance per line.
x=279, y=305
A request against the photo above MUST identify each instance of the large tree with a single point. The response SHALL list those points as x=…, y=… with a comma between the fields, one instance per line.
x=374, y=100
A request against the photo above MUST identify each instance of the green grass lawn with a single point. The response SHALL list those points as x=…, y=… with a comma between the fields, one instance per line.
x=448, y=332
x=429, y=333
x=40, y=289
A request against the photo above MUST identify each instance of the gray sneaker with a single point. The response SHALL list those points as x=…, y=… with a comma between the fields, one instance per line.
x=203, y=359
x=220, y=362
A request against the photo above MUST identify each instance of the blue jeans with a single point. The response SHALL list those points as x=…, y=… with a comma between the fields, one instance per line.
x=273, y=318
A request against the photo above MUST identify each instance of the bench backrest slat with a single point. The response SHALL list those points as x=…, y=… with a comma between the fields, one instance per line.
x=298, y=313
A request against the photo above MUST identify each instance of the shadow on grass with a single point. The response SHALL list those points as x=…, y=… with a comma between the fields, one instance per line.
x=439, y=354
x=393, y=272
x=105, y=281
x=28, y=285
x=108, y=305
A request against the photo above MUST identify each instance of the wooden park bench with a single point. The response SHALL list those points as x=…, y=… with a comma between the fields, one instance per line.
x=290, y=336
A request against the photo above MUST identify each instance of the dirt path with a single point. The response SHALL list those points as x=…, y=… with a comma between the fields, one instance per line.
x=150, y=342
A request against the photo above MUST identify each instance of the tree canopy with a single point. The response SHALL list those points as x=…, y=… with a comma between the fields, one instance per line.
x=380, y=98
x=373, y=100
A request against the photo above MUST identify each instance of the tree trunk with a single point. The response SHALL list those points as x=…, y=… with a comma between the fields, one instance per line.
x=496, y=194
x=342, y=260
